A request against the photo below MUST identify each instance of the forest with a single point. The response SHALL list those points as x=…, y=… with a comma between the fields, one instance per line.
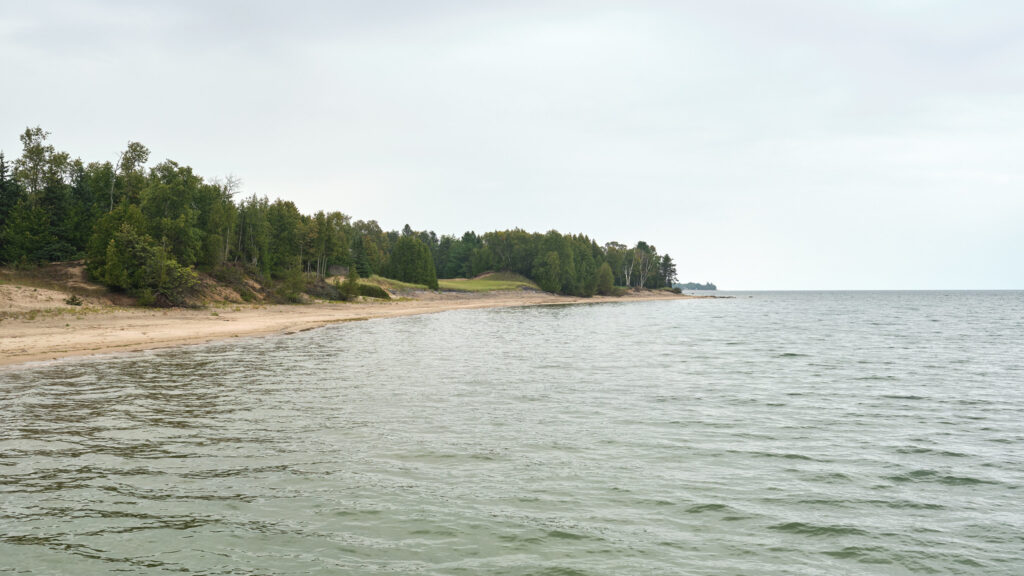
x=148, y=231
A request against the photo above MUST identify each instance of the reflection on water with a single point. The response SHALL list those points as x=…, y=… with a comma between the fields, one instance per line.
x=868, y=433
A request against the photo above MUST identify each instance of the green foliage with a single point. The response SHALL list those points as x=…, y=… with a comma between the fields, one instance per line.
x=103, y=232
x=365, y=255
x=411, y=262
x=290, y=286
x=576, y=270
x=585, y=280
x=605, y=279
x=233, y=276
x=547, y=272
x=373, y=291
x=39, y=210
x=217, y=216
x=10, y=193
x=74, y=300
x=392, y=285
x=165, y=220
x=488, y=283
x=285, y=223
x=253, y=235
x=350, y=288
x=28, y=237
x=318, y=288
x=667, y=271
x=137, y=264
x=39, y=164
x=170, y=205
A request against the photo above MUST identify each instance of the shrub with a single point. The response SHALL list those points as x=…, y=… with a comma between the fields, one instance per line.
x=372, y=291
x=73, y=300
x=320, y=289
x=349, y=289
x=291, y=287
x=136, y=264
x=229, y=274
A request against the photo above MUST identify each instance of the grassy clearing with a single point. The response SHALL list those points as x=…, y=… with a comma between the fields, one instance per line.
x=393, y=286
x=488, y=283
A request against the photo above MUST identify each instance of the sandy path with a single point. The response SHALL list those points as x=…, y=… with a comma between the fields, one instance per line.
x=77, y=332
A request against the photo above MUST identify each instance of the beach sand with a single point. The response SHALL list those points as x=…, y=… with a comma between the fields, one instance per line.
x=38, y=325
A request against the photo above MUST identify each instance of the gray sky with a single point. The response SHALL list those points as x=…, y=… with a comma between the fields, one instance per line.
x=765, y=145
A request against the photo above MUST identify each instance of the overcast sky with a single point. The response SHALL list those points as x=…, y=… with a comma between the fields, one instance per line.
x=765, y=145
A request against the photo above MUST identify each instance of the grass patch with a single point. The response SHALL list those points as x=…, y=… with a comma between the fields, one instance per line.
x=56, y=312
x=382, y=282
x=391, y=285
x=488, y=283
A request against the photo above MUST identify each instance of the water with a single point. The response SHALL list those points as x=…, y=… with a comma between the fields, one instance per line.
x=773, y=433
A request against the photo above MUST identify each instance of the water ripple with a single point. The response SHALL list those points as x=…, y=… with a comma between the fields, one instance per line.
x=808, y=433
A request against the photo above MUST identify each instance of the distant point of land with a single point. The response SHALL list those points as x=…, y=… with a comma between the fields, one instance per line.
x=696, y=286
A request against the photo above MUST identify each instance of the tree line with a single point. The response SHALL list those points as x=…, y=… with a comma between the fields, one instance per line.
x=148, y=230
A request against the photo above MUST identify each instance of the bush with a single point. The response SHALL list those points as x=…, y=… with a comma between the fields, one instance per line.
x=371, y=291
x=136, y=264
x=291, y=287
x=73, y=300
x=145, y=296
x=231, y=274
x=349, y=289
x=320, y=289
x=247, y=295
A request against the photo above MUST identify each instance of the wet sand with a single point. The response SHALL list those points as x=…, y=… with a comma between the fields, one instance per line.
x=64, y=331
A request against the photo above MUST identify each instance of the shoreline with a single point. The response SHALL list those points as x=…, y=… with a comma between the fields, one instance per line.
x=69, y=332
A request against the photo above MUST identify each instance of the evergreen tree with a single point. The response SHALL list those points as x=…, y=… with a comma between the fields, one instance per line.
x=10, y=192
x=605, y=280
x=350, y=288
x=667, y=271
x=547, y=272
x=411, y=262
x=143, y=230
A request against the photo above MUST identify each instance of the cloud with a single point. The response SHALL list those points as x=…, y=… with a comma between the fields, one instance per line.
x=790, y=144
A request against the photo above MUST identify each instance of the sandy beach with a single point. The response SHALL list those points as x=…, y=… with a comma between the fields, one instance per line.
x=42, y=328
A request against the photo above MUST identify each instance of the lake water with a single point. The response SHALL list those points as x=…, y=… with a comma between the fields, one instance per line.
x=771, y=433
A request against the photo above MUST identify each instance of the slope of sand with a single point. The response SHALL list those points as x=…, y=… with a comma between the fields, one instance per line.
x=57, y=330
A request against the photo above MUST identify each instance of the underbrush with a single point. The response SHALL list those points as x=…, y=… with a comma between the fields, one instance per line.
x=373, y=291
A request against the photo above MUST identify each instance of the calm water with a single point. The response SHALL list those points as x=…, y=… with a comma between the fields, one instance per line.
x=773, y=433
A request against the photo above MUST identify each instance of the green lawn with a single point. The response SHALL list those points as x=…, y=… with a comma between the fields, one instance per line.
x=488, y=283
